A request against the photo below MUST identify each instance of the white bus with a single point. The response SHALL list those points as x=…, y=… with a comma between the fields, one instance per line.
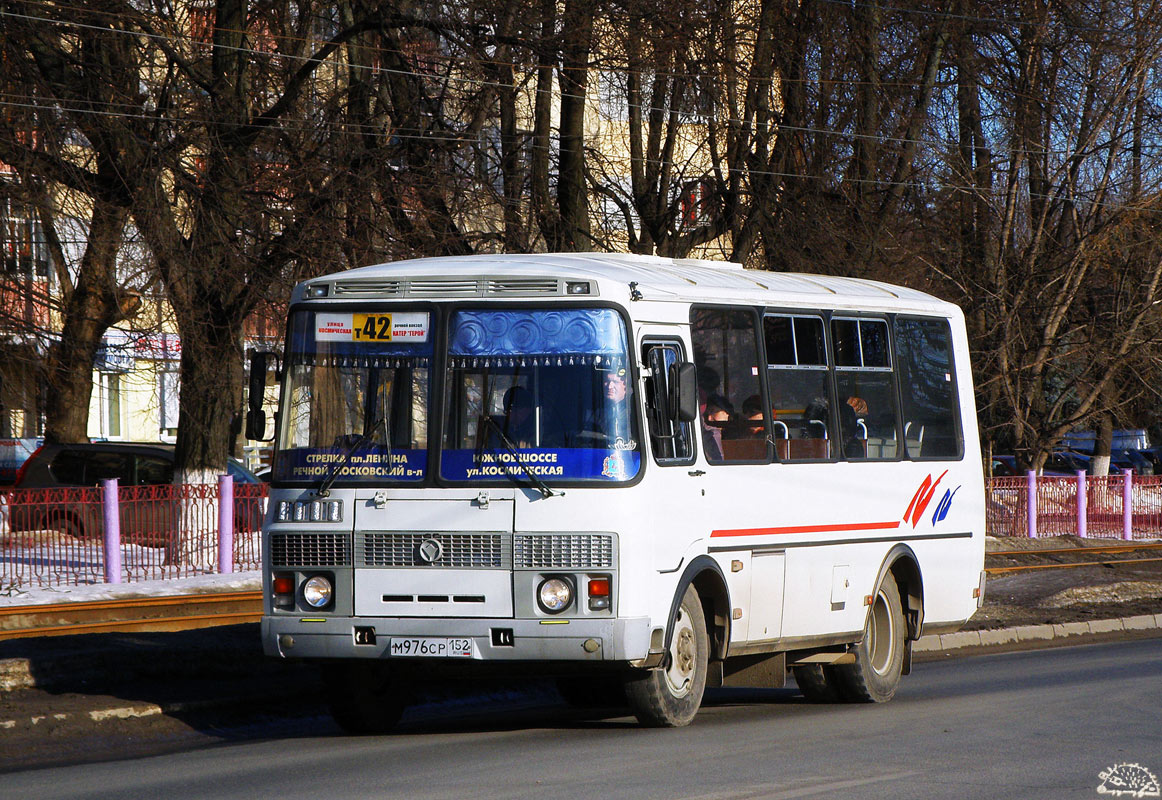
x=654, y=474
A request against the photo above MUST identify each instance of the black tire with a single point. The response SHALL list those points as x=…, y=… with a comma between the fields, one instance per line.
x=669, y=697
x=879, y=658
x=365, y=697
x=590, y=692
x=815, y=684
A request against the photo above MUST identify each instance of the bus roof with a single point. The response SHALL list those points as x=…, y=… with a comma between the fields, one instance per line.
x=546, y=274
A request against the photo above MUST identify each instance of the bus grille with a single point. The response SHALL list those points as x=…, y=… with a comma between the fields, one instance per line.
x=482, y=550
x=310, y=550
x=555, y=551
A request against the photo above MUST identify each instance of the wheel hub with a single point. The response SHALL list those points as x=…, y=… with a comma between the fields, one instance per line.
x=683, y=656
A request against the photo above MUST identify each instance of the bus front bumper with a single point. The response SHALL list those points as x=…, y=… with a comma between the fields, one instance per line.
x=590, y=640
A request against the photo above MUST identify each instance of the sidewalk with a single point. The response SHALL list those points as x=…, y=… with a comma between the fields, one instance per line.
x=215, y=582
x=1037, y=634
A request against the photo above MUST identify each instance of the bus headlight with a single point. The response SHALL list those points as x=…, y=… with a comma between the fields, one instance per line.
x=554, y=595
x=317, y=591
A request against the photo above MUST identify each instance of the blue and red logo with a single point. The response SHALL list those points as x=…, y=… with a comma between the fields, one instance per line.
x=923, y=497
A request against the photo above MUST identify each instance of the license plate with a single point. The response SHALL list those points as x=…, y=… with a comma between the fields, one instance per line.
x=428, y=647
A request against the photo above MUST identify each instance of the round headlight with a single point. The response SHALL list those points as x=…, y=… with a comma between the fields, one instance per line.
x=317, y=591
x=555, y=595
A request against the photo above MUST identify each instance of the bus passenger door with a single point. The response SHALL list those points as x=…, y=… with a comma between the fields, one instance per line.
x=675, y=485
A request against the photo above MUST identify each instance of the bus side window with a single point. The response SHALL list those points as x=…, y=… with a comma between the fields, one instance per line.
x=866, y=388
x=799, y=386
x=670, y=441
x=927, y=388
x=726, y=354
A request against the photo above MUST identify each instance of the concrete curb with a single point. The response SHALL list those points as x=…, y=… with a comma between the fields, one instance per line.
x=940, y=643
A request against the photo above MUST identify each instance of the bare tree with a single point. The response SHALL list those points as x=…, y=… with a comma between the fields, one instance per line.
x=36, y=140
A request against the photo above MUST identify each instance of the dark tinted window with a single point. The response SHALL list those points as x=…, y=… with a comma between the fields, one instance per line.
x=924, y=362
x=734, y=424
x=69, y=467
x=868, y=422
x=845, y=338
x=799, y=386
x=670, y=441
x=106, y=466
x=152, y=470
x=810, y=347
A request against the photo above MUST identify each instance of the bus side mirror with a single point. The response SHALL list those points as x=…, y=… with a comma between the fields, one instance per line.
x=255, y=416
x=683, y=381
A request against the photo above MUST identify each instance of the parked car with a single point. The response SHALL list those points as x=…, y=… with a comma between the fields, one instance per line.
x=1131, y=459
x=1004, y=466
x=1154, y=456
x=149, y=518
x=1067, y=462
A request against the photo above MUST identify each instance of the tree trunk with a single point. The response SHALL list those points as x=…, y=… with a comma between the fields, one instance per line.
x=1103, y=445
x=572, y=187
x=90, y=308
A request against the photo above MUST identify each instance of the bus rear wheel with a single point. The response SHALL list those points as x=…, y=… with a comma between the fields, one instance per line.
x=365, y=697
x=879, y=658
x=670, y=697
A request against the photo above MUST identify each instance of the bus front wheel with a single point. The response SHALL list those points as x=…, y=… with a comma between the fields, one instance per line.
x=879, y=658
x=669, y=697
x=365, y=697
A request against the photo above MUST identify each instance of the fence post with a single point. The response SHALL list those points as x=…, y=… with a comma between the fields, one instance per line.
x=1031, y=501
x=1082, y=500
x=1128, y=504
x=225, y=524
x=110, y=508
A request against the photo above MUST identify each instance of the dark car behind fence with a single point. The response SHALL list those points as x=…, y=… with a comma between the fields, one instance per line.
x=58, y=536
x=1123, y=506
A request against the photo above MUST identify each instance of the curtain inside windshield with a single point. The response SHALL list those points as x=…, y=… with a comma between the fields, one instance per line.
x=547, y=392
x=357, y=396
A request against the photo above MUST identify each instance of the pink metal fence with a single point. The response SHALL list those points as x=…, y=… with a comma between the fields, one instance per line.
x=1101, y=511
x=58, y=536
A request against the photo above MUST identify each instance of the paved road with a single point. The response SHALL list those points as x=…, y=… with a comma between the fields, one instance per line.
x=1040, y=724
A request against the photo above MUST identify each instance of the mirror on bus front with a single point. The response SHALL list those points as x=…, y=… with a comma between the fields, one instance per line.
x=255, y=416
x=683, y=381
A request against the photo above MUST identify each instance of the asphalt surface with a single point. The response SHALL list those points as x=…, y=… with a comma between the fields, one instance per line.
x=94, y=697
x=1051, y=724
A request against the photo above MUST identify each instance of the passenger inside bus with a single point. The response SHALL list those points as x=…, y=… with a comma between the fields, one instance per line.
x=752, y=412
x=714, y=412
x=520, y=421
x=852, y=419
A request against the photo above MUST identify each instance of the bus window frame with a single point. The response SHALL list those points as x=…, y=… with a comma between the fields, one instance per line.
x=450, y=309
x=676, y=343
x=761, y=355
x=957, y=411
x=435, y=383
x=823, y=315
x=889, y=323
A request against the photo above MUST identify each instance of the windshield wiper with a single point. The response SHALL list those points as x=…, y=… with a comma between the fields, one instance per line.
x=542, y=487
x=332, y=475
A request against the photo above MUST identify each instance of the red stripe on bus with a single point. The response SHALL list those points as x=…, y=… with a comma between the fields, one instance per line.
x=854, y=526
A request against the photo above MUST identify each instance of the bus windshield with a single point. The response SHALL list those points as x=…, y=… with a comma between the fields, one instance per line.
x=544, y=393
x=356, y=397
